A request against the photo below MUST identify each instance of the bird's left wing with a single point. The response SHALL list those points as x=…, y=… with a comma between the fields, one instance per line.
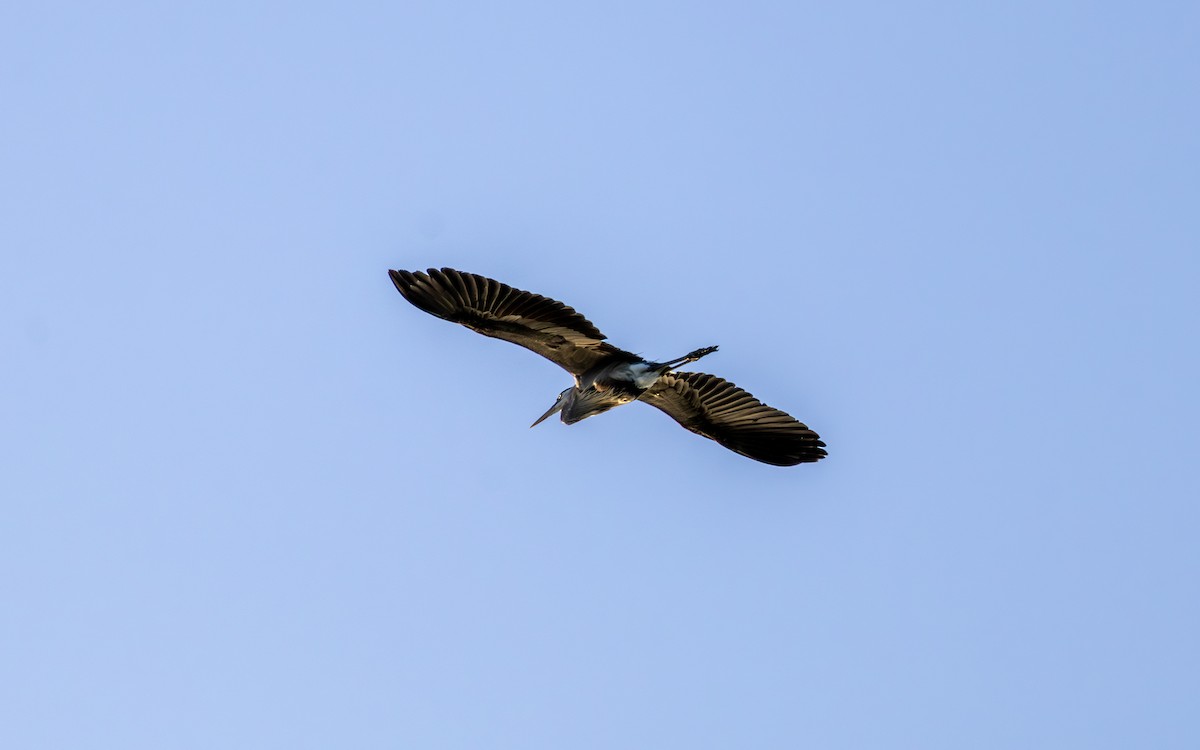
x=538, y=323
x=718, y=409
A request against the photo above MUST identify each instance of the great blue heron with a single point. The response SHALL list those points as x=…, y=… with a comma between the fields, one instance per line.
x=606, y=376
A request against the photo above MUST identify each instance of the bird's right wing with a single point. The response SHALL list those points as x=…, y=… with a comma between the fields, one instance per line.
x=538, y=323
x=718, y=409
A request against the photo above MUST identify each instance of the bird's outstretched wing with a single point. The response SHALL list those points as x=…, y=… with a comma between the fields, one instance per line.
x=718, y=409
x=538, y=323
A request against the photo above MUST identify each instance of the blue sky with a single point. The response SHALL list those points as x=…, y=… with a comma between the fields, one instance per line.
x=254, y=499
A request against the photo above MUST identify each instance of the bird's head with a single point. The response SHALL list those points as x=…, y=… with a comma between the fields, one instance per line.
x=559, y=403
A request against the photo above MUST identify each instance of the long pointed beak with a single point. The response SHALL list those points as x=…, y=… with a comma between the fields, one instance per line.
x=558, y=405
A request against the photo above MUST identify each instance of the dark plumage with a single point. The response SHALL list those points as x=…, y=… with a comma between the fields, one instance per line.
x=606, y=376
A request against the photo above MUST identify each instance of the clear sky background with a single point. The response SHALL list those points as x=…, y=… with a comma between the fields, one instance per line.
x=253, y=499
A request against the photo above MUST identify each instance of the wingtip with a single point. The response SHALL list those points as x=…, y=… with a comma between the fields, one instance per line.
x=402, y=280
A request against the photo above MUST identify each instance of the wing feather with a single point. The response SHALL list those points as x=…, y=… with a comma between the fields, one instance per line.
x=484, y=305
x=719, y=410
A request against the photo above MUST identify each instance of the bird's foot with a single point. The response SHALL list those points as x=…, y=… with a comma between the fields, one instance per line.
x=700, y=353
x=688, y=358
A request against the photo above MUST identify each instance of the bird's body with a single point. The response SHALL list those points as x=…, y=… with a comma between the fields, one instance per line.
x=605, y=376
x=602, y=388
x=614, y=381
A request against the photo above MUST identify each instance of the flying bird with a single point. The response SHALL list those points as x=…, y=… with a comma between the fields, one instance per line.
x=606, y=376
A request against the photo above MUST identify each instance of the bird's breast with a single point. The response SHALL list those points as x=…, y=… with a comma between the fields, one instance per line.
x=640, y=375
